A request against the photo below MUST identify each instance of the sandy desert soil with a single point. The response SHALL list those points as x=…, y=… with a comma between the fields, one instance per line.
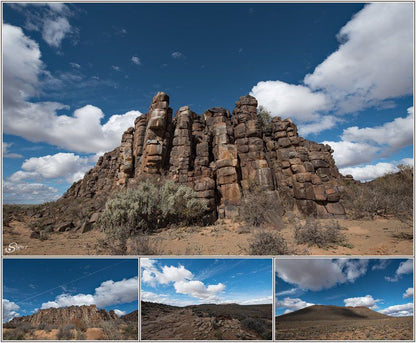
x=370, y=329
x=380, y=236
x=202, y=322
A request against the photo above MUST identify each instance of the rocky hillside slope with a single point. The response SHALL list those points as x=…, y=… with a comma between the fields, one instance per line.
x=89, y=315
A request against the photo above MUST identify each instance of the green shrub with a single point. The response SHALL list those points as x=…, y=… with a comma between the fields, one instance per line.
x=312, y=233
x=264, y=118
x=268, y=243
x=148, y=207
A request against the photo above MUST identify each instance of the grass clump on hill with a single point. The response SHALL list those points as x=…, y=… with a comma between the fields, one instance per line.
x=148, y=207
x=391, y=194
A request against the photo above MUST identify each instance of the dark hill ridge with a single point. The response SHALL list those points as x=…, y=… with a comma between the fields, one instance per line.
x=256, y=311
x=206, y=322
x=219, y=154
x=90, y=315
x=329, y=312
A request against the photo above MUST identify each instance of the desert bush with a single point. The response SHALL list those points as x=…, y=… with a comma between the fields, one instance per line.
x=144, y=245
x=110, y=329
x=268, y=243
x=391, y=194
x=80, y=336
x=13, y=335
x=313, y=233
x=148, y=207
x=267, y=335
x=79, y=324
x=218, y=335
x=130, y=332
x=254, y=324
x=66, y=332
x=261, y=207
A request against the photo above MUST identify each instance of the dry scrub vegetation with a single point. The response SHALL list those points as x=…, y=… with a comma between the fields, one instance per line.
x=389, y=195
x=76, y=330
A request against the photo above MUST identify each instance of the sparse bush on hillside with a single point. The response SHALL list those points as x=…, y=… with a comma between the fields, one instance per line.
x=13, y=335
x=130, y=332
x=261, y=207
x=111, y=330
x=313, y=233
x=391, y=194
x=148, y=207
x=66, y=332
x=268, y=243
x=254, y=324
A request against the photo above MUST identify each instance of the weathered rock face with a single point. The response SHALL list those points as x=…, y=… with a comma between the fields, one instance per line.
x=220, y=156
x=90, y=315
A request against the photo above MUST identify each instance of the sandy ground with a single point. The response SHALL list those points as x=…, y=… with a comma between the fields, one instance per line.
x=374, y=329
x=365, y=237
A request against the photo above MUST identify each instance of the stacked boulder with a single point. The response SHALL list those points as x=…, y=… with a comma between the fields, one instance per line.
x=220, y=156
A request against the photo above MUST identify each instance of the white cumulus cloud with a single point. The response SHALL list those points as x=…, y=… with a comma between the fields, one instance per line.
x=39, y=121
x=68, y=165
x=405, y=267
x=119, y=313
x=372, y=66
x=362, y=145
x=398, y=310
x=286, y=100
x=107, y=294
x=55, y=30
x=367, y=301
x=292, y=304
x=320, y=274
x=374, y=61
x=10, y=310
x=182, y=280
x=28, y=193
x=408, y=293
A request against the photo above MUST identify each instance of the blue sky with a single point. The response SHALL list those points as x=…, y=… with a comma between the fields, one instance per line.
x=31, y=284
x=182, y=282
x=383, y=285
x=77, y=75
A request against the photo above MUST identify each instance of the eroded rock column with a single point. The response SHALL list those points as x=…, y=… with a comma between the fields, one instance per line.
x=157, y=139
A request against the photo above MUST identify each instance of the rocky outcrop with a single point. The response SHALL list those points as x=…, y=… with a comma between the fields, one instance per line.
x=220, y=155
x=89, y=315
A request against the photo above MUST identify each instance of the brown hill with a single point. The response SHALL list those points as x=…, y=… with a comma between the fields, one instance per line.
x=322, y=322
x=207, y=321
x=329, y=312
x=89, y=315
